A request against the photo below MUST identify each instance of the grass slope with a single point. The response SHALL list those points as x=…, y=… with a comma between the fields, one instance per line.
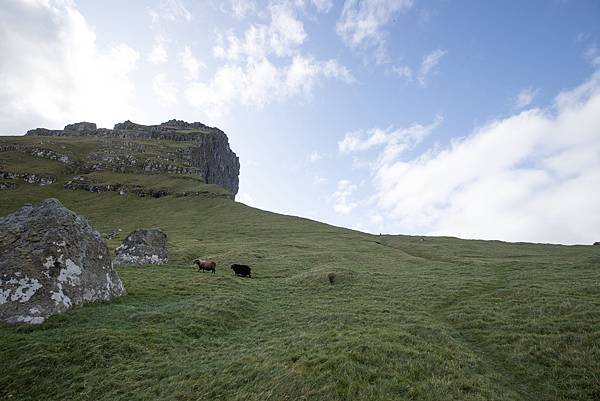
x=405, y=319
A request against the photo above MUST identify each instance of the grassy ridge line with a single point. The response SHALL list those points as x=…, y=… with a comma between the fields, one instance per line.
x=439, y=319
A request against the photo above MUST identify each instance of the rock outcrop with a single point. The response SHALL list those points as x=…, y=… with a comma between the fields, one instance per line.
x=208, y=152
x=50, y=260
x=7, y=185
x=81, y=128
x=28, y=178
x=143, y=247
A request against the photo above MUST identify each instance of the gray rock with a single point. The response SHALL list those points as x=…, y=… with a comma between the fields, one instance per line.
x=50, y=260
x=7, y=185
x=82, y=127
x=215, y=160
x=143, y=247
x=128, y=125
x=28, y=178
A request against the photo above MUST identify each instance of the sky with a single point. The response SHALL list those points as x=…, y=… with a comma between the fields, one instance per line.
x=475, y=119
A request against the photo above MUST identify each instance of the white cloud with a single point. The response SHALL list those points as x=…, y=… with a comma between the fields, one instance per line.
x=263, y=65
x=323, y=6
x=430, y=61
x=301, y=75
x=525, y=97
x=533, y=176
x=215, y=96
x=170, y=10
x=282, y=37
x=426, y=68
x=361, y=23
x=191, y=65
x=240, y=9
x=403, y=71
x=342, y=205
x=158, y=54
x=165, y=90
x=52, y=72
x=258, y=83
x=592, y=54
x=376, y=219
x=245, y=197
x=396, y=141
x=318, y=180
x=314, y=156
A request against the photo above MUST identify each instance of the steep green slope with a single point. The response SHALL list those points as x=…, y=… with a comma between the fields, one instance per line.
x=405, y=319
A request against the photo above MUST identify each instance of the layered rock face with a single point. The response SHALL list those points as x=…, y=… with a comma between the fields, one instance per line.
x=143, y=247
x=50, y=260
x=207, y=148
x=211, y=155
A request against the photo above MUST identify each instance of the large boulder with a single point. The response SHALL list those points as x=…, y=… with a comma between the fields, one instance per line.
x=50, y=260
x=143, y=247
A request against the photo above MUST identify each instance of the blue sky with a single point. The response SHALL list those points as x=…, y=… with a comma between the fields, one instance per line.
x=466, y=118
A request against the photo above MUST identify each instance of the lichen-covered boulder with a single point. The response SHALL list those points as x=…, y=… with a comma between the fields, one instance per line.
x=143, y=247
x=50, y=260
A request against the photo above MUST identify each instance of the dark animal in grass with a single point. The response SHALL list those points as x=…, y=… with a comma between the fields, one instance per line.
x=241, y=270
x=208, y=265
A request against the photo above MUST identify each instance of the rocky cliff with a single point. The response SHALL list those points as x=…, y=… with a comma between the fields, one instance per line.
x=129, y=147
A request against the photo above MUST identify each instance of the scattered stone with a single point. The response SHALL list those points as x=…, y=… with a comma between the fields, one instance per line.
x=50, y=260
x=110, y=235
x=143, y=247
x=7, y=185
x=28, y=178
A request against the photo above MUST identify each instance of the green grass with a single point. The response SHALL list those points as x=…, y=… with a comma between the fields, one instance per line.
x=172, y=183
x=17, y=162
x=405, y=319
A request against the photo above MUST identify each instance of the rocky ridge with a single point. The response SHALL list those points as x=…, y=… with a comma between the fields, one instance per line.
x=204, y=150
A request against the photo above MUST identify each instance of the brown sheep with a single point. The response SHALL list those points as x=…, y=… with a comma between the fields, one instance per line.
x=205, y=264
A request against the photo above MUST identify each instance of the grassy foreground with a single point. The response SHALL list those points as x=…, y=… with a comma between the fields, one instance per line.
x=405, y=319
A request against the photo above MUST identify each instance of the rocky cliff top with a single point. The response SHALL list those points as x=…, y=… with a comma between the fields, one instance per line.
x=177, y=130
x=204, y=151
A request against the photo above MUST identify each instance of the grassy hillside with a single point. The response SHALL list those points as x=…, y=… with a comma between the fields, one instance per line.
x=405, y=318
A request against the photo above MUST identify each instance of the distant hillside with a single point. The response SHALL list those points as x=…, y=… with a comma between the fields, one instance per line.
x=83, y=156
x=329, y=313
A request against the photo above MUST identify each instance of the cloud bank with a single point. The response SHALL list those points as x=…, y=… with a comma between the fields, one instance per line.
x=52, y=72
x=533, y=176
x=263, y=66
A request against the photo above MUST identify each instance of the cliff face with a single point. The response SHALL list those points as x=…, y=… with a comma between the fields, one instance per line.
x=201, y=150
x=216, y=162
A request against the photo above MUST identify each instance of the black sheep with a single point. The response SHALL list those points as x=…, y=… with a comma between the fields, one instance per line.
x=241, y=270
